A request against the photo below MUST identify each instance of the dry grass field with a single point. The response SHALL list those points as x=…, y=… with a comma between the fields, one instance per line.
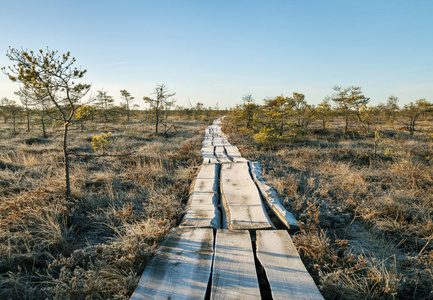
x=95, y=245
x=367, y=220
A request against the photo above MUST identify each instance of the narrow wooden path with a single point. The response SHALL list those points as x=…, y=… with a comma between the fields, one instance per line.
x=226, y=246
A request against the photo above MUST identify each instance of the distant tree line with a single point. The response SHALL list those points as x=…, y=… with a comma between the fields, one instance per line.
x=51, y=94
x=282, y=118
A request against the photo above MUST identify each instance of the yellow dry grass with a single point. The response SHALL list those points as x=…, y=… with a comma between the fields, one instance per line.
x=366, y=219
x=95, y=245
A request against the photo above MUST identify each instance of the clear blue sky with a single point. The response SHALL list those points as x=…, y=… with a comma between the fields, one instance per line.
x=217, y=51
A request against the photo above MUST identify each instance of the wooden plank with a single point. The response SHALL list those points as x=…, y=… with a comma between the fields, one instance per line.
x=210, y=172
x=204, y=216
x=213, y=128
x=204, y=200
x=243, y=207
x=221, y=155
x=181, y=268
x=217, y=141
x=208, y=132
x=284, y=269
x=234, y=274
x=207, y=141
x=207, y=152
x=233, y=152
x=225, y=141
x=272, y=198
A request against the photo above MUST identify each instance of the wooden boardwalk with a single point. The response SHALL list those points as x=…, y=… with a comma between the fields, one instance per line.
x=226, y=247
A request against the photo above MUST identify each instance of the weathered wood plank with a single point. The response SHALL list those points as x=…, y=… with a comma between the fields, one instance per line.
x=204, y=216
x=234, y=275
x=181, y=268
x=217, y=141
x=241, y=199
x=207, y=152
x=208, y=132
x=210, y=172
x=284, y=269
x=221, y=155
x=204, y=200
x=234, y=154
x=207, y=141
x=225, y=141
x=272, y=198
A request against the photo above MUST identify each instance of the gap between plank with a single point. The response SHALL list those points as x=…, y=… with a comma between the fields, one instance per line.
x=226, y=153
x=264, y=286
x=214, y=154
x=221, y=206
x=209, y=284
x=275, y=220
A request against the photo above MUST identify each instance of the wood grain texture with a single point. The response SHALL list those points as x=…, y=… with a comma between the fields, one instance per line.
x=207, y=152
x=181, y=268
x=241, y=199
x=202, y=207
x=234, y=154
x=272, y=198
x=234, y=274
x=218, y=141
x=285, y=271
x=221, y=155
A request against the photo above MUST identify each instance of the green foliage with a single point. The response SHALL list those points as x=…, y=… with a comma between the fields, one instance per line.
x=324, y=111
x=49, y=72
x=10, y=109
x=126, y=96
x=53, y=76
x=267, y=136
x=161, y=103
x=105, y=105
x=84, y=112
x=276, y=113
x=391, y=108
x=102, y=141
x=348, y=99
x=414, y=110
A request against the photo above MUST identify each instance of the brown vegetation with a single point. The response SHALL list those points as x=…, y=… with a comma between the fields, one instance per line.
x=95, y=244
x=364, y=201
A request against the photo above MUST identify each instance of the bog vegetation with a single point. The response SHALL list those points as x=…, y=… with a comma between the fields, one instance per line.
x=359, y=178
x=88, y=234
x=89, y=188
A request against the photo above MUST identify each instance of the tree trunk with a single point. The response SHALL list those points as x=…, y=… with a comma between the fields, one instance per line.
x=44, y=132
x=360, y=121
x=157, y=119
x=346, y=118
x=28, y=119
x=249, y=118
x=66, y=158
x=127, y=113
x=412, y=126
x=281, y=129
x=14, y=119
